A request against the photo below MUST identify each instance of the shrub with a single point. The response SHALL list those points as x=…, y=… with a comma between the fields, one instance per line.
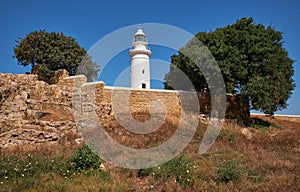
x=84, y=158
x=228, y=171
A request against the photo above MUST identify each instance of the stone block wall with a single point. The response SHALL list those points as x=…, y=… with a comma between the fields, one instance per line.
x=35, y=112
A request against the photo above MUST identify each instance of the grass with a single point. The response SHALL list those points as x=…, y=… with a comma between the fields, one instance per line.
x=270, y=161
x=23, y=171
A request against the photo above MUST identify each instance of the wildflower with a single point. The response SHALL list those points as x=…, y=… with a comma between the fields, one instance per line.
x=1, y=183
x=6, y=177
x=158, y=167
x=194, y=166
x=187, y=171
x=68, y=171
x=151, y=186
x=25, y=169
x=29, y=163
x=22, y=175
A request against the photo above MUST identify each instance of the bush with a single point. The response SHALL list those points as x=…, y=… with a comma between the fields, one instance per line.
x=228, y=171
x=84, y=158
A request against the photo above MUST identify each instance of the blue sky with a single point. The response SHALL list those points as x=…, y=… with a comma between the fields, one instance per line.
x=89, y=21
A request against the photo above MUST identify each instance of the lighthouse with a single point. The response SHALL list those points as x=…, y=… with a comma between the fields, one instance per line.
x=140, y=64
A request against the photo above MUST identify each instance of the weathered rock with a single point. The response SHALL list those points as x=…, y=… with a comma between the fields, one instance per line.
x=247, y=133
x=32, y=111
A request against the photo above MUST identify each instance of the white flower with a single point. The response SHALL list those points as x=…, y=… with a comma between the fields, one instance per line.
x=22, y=175
x=187, y=171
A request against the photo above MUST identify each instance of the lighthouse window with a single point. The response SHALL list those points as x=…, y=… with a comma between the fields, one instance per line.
x=143, y=71
x=144, y=85
x=140, y=38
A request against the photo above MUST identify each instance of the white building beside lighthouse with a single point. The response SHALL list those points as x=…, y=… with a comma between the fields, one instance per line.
x=140, y=64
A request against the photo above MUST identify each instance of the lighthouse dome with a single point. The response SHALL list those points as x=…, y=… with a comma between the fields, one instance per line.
x=139, y=32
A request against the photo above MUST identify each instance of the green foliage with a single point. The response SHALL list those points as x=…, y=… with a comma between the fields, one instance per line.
x=259, y=123
x=228, y=171
x=252, y=60
x=145, y=172
x=23, y=172
x=232, y=138
x=84, y=158
x=44, y=72
x=181, y=169
x=15, y=167
x=53, y=51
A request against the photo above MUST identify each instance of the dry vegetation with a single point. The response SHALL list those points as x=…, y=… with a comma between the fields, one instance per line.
x=268, y=161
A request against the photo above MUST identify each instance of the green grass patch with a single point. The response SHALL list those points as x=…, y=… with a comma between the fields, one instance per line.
x=180, y=169
x=228, y=171
x=23, y=172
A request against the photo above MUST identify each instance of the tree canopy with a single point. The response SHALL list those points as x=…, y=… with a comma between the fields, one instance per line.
x=252, y=60
x=52, y=51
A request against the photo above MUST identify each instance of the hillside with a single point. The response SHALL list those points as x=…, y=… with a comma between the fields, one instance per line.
x=38, y=136
x=266, y=157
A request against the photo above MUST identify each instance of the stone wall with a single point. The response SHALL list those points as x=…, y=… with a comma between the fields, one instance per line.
x=33, y=112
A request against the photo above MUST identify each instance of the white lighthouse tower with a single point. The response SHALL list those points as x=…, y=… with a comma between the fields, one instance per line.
x=140, y=65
